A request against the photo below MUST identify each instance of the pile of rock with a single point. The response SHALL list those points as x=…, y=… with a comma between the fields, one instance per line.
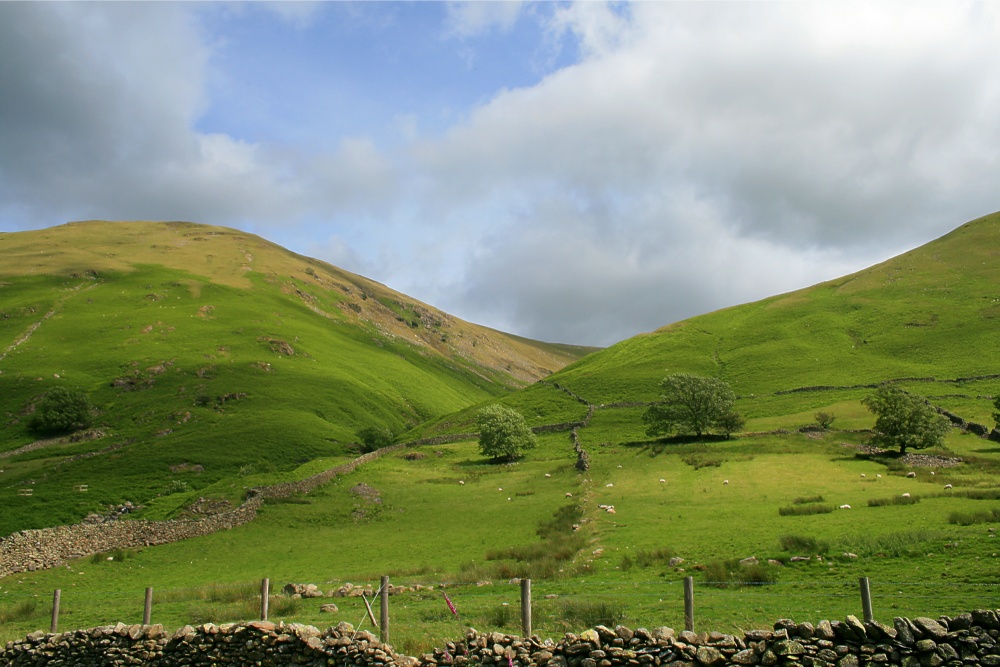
x=967, y=639
x=254, y=643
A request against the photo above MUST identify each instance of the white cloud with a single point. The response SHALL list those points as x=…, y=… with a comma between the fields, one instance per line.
x=697, y=155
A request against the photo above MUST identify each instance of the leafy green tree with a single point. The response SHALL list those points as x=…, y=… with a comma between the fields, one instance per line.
x=691, y=403
x=374, y=437
x=61, y=410
x=825, y=419
x=903, y=420
x=503, y=433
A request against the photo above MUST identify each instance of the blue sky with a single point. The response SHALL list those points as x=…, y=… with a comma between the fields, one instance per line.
x=571, y=171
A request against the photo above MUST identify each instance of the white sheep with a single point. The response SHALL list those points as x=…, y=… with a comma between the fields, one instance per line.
x=947, y=486
x=609, y=485
x=461, y=482
x=548, y=475
x=862, y=475
x=663, y=481
x=569, y=495
x=845, y=507
x=906, y=495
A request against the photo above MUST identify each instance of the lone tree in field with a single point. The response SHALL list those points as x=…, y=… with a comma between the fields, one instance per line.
x=903, y=420
x=61, y=410
x=503, y=433
x=693, y=404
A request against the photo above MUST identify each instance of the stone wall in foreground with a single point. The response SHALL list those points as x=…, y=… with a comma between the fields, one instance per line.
x=969, y=640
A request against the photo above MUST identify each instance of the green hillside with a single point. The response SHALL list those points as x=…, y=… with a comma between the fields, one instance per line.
x=813, y=508
x=213, y=355
x=930, y=313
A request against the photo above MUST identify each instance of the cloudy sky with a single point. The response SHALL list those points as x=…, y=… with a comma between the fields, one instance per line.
x=575, y=172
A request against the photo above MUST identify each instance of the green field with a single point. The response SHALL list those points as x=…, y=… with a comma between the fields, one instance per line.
x=773, y=493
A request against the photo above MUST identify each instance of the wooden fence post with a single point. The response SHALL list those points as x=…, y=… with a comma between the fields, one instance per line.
x=383, y=621
x=265, y=594
x=526, y=607
x=55, y=610
x=147, y=607
x=866, y=599
x=689, y=603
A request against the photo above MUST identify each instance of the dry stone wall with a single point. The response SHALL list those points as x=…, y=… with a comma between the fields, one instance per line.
x=966, y=640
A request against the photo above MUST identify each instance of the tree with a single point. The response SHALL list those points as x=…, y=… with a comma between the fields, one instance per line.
x=903, y=420
x=996, y=415
x=691, y=403
x=825, y=419
x=374, y=437
x=503, y=433
x=61, y=410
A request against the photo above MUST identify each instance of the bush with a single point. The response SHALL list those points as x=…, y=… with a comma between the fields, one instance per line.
x=374, y=437
x=60, y=411
x=894, y=500
x=805, y=510
x=905, y=421
x=802, y=544
x=824, y=419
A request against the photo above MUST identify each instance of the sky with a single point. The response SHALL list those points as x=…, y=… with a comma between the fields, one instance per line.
x=574, y=172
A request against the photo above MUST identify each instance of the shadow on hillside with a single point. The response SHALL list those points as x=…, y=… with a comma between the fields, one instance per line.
x=659, y=445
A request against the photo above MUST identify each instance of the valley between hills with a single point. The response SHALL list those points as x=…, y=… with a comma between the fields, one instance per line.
x=220, y=365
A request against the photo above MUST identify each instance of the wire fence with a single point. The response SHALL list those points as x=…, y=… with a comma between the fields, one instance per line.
x=421, y=616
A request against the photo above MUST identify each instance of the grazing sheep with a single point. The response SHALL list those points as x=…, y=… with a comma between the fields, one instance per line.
x=879, y=476
x=862, y=474
x=609, y=485
x=611, y=510
x=725, y=481
x=947, y=486
x=461, y=482
x=663, y=481
x=906, y=495
x=548, y=475
x=845, y=507
x=569, y=495
x=500, y=489
x=911, y=474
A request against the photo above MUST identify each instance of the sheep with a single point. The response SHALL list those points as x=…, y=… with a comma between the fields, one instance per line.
x=548, y=475
x=462, y=482
x=569, y=495
x=609, y=485
x=663, y=481
x=911, y=474
x=947, y=486
x=845, y=507
x=862, y=475
x=906, y=495
x=725, y=481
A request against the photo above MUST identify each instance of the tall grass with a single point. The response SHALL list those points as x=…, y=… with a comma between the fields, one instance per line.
x=21, y=611
x=802, y=544
x=647, y=558
x=726, y=574
x=893, y=500
x=971, y=518
x=804, y=510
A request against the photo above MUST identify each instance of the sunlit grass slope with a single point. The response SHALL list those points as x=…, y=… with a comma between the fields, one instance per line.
x=932, y=312
x=214, y=355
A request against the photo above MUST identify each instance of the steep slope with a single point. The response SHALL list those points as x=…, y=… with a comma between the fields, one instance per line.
x=929, y=313
x=214, y=354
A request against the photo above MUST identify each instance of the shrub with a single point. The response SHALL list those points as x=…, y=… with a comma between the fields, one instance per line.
x=805, y=500
x=824, y=419
x=894, y=500
x=802, y=544
x=970, y=518
x=374, y=437
x=61, y=410
x=805, y=510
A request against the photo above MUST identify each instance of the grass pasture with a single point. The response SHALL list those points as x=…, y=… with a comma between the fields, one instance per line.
x=760, y=521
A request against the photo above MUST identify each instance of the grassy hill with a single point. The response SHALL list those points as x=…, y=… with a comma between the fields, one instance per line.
x=215, y=356
x=447, y=516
